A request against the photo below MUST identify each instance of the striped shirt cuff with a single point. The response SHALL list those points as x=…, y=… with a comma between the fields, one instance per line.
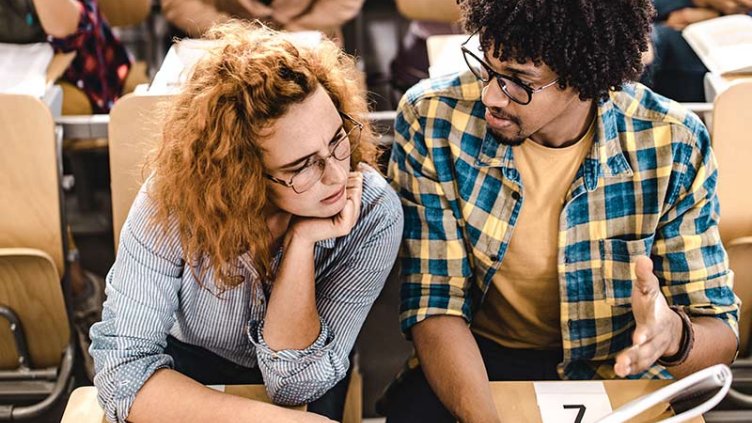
x=311, y=353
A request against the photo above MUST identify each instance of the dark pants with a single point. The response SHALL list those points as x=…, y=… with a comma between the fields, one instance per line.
x=410, y=399
x=208, y=368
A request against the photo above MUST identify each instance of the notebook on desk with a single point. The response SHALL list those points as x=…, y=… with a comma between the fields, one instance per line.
x=588, y=402
x=689, y=397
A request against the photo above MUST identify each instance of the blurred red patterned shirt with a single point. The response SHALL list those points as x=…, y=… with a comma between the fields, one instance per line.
x=101, y=63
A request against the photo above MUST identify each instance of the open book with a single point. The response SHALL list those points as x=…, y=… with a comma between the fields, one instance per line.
x=31, y=69
x=723, y=44
x=589, y=402
x=23, y=68
x=689, y=397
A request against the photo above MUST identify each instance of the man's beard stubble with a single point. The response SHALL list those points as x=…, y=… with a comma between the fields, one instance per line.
x=517, y=140
x=512, y=142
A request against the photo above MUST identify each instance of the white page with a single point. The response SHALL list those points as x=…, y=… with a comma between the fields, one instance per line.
x=445, y=54
x=570, y=402
x=723, y=44
x=183, y=56
x=23, y=68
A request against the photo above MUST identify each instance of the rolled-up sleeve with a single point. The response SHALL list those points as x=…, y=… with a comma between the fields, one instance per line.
x=689, y=258
x=142, y=297
x=434, y=260
x=343, y=299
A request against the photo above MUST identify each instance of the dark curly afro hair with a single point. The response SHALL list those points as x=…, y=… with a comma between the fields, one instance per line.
x=593, y=45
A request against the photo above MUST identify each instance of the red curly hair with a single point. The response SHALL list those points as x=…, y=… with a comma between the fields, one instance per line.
x=208, y=173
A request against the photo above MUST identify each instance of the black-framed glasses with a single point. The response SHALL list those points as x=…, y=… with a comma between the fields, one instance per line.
x=516, y=90
x=340, y=149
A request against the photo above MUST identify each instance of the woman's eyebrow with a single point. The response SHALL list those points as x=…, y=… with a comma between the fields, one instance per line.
x=305, y=158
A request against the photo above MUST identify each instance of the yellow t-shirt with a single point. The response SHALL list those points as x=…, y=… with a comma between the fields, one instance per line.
x=522, y=306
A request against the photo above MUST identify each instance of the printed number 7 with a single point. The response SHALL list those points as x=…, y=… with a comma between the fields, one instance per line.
x=580, y=414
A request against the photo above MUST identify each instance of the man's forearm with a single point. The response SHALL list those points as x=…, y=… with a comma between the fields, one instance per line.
x=454, y=368
x=714, y=343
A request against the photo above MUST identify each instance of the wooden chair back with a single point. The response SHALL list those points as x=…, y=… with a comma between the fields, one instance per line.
x=732, y=124
x=30, y=214
x=125, y=12
x=740, y=261
x=30, y=287
x=134, y=131
x=446, y=11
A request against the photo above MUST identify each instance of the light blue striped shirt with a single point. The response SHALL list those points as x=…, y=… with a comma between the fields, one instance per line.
x=152, y=293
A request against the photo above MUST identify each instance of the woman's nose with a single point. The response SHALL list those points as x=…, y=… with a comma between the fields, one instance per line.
x=335, y=172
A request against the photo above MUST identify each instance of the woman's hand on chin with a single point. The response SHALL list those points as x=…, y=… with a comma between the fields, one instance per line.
x=313, y=229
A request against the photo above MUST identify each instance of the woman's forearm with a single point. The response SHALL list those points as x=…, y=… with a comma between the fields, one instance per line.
x=292, y=320
x=169, y=396
x=59, y=18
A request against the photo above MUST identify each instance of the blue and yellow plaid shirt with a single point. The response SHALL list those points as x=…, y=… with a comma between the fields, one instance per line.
x=648, y=187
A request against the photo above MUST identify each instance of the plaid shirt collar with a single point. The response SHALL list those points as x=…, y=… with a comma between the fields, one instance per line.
x=606, y=159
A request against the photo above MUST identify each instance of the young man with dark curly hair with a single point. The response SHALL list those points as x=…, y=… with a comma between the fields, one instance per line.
x=560, y=219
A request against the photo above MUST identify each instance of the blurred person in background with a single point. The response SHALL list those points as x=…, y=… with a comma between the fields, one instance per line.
x=194, y=17
x=677, y=72
x=96, y=77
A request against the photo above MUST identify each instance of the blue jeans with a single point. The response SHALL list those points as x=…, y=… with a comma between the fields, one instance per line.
x=208, y=368
x=410, y=399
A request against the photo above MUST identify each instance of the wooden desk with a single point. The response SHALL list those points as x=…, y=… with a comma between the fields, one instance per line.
x=83, y=406
x=516, y=401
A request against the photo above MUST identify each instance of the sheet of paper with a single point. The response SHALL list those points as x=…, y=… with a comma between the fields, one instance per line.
x=23, y=68
x=572, y=402
x=220, y=388
x=182, y=57
x=445, y=55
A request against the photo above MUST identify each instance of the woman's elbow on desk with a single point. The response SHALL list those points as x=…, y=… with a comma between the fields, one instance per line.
x=307, y=381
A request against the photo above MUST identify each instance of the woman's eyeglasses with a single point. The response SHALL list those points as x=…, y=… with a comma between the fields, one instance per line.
x=341, y=149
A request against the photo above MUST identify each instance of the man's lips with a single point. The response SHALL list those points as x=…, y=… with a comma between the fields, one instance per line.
x=498, y=121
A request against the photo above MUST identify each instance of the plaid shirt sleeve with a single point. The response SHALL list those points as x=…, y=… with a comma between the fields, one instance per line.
x=435, y=266
x=688, y=255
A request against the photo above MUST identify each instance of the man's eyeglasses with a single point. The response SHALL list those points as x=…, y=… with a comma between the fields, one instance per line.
x=340, y=148
x=516, y=90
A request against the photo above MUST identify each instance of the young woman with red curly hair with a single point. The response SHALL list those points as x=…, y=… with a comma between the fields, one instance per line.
x=257, y=246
